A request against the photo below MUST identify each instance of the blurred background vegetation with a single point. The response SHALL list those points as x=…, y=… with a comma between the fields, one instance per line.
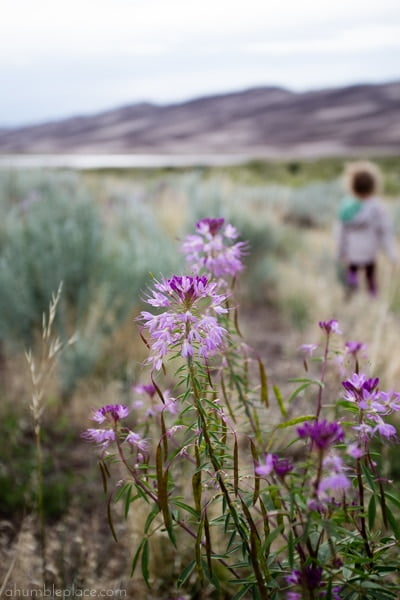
x=105, y=234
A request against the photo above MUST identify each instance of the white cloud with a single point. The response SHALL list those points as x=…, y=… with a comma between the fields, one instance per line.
x=351, y=40
x=98, y=53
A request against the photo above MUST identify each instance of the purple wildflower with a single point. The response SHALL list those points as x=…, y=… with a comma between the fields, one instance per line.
x=385, y=429
x=331, y=326
x=281, y=466
x=336, y=592
x=209, y=226
x=104, y=437
x=148, y=389
x=136, y=441
x=335, y=482
x=390, y=401
x=322, y=433
x=173, y=430
x=358, y=383
x=313, y=576
x=355, y=451
x=310, y=578
x=112, y=412
x=212, y=250
x=354, y=347
x=294, y=577
x=187, y=324
x=266, y=468
x=373, y=404
x=308, y=349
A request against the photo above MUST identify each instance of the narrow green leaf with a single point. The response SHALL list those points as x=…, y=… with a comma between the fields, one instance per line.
x=208, y=543
x=226, y=398
x=394, y=499
x=185, y=507
x=197, y=489
x=235, y=467
x=394, y=523
x=236, y=321
x=264, y=384
x=371, y=512
x=127, y=501
x=254, y=454
x=271, y=538
x=136, y=556
x=150, y=518
x=103, y=473
x=162, y=493
x=145, y=562
x=223, y=444
x=164, y=436
x=295, y=421
x=198, y=549
x=350, y=406
x=120, y=492
x=146, y=343
x=242, y=592
x=367, y=473
x=291, y=549
x=304, y=386
x=306, y=380
x=196, y=481
x=186, y=573
x=231, y=540
x=159, y=392
x=109, y=518
x=265, y=519
x=279, y=399
x=276, y=499
x=258, y=562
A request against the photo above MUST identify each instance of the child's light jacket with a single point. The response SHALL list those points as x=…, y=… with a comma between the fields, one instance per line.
x=370, y=230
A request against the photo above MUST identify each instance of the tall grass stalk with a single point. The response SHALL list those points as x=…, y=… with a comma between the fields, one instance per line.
x=41, y=368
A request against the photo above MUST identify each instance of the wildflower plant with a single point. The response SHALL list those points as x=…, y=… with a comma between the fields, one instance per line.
x=305, y=515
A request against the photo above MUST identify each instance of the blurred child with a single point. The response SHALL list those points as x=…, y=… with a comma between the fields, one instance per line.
x=364, y=227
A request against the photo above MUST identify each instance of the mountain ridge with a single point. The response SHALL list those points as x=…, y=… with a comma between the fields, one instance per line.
x=262, y=121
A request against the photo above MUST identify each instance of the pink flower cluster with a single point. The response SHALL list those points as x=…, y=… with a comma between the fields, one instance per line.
x=150, y=407
x=188, y=323
x=322, y=433
x=213, y=249
x=112, y=414
x=334, y=480
x=274, y=464
x=373, y=404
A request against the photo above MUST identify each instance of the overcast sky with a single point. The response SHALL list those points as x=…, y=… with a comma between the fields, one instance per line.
x=65, y=57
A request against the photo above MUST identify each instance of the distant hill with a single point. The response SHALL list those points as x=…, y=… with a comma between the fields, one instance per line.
x=265, y=121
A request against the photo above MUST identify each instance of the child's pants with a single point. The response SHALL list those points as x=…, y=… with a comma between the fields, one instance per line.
x=370, y=275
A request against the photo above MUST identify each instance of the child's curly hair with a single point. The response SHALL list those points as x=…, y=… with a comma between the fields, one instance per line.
x=363, y=178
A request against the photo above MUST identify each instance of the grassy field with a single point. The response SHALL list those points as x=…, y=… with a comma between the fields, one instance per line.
x=104, y=235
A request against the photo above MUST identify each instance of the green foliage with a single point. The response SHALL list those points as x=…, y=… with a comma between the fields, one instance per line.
x=56, y=232
x=314, y=205
x=322, y=517
x=298, y=309
x=17, y=470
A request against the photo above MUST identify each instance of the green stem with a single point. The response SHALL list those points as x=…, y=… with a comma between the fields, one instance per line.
x=323, y=373
x=153, y=496
x=40, y=499
x=363, y=528
x=216, y=466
